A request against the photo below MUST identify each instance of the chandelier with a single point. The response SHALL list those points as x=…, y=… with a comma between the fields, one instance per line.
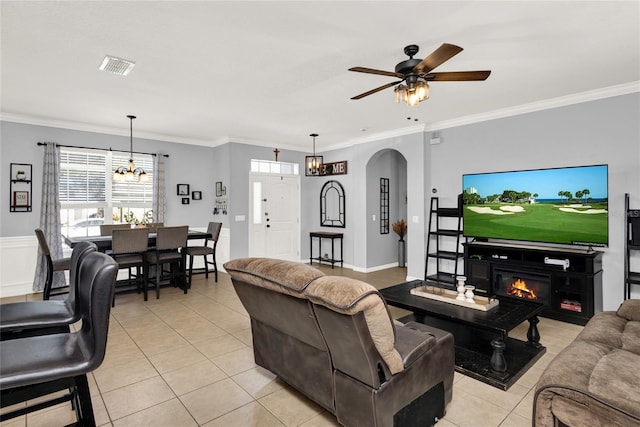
x=313, y=163
x=130, y=173
x=415, y=91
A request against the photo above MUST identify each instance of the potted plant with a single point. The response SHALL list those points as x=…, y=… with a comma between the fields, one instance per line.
x=21, y=175
x=400, y=228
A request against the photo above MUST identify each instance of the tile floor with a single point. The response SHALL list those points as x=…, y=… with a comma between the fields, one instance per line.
x=186, y=360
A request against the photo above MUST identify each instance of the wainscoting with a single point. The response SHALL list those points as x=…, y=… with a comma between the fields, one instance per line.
x=18, y=256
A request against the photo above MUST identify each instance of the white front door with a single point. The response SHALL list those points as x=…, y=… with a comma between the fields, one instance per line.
x=274, y=226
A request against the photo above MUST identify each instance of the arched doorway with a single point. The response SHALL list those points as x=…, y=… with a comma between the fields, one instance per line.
x=391, y=166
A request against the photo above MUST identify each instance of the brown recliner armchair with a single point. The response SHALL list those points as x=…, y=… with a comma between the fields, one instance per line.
x=332, y=338
x=385, y=373
x=286, y=338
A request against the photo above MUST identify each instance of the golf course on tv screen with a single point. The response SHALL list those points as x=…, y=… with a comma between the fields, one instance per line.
x=560, y=205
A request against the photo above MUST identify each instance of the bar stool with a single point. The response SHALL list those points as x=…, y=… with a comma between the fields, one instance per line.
x=32, y=318
x=37, y=366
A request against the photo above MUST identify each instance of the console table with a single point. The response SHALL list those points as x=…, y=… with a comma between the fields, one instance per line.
x=325, y=235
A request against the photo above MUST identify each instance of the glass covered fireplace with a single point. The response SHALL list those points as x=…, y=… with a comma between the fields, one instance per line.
x=523, y=285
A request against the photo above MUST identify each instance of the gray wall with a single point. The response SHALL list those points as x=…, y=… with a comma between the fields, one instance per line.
x=602, y=131
x=385, y=164
x=597, y=132
x=238, y=163
x=186, y=164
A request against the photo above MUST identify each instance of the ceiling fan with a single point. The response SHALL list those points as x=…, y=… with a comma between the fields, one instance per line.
x=416, y=74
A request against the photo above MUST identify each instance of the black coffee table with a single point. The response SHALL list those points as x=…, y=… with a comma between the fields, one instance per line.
x=484, y=350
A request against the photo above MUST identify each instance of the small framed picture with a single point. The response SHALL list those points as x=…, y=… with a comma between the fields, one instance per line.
x=20, y=198
x=219, y=189
x=185, y=200
x=183, y=190
x=196, y=195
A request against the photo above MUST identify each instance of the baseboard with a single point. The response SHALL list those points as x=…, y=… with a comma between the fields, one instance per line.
x=376, y=268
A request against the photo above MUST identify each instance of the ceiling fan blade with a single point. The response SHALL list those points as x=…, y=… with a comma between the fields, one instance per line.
x=458, y=76
x=437, y=57
x=372, y=71
x=378, y=89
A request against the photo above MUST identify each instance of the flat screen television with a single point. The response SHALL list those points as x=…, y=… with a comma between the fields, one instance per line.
x=566, y=205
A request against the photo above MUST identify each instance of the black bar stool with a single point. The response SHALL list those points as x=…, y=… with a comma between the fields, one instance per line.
x=36, y=366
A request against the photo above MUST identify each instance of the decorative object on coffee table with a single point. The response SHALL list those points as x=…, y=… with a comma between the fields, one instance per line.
x=469, y=293
x=431, y=290
x=460, y=288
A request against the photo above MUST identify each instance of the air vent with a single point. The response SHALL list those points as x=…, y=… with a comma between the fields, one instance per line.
x=118, y=66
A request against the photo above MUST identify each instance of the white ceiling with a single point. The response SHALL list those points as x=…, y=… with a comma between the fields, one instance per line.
x=273, y=72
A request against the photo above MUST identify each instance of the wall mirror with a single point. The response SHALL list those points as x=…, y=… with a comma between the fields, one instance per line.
x=332, y=205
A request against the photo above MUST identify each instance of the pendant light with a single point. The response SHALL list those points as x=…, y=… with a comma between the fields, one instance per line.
x=130, y=173
x=313, y=164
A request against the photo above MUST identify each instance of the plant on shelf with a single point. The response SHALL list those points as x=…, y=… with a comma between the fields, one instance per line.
x=21, y=175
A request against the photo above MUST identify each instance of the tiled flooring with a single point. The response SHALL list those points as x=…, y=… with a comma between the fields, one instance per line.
x=186, y=360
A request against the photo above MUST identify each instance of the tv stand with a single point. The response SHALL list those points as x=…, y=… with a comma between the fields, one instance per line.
x=570, y=279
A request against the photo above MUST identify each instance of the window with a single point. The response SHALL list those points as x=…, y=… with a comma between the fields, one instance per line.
x=279, y=168
x=87, y=191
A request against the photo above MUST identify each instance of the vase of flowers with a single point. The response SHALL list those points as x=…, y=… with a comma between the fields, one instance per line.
x=400, y=228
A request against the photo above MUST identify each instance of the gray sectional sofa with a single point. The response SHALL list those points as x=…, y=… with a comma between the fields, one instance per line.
x=595, y=381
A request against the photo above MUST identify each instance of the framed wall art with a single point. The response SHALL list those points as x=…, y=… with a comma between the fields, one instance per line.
x=20, y=198
x=183, y=190
x=196, y=195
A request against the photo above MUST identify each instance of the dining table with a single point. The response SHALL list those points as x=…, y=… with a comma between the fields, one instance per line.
x=104, y=242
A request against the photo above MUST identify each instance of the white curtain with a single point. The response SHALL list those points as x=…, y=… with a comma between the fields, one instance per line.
x=50, y=217
x=159, y=192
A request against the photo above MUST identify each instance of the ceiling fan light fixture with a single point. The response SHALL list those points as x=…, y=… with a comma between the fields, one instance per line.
x=412, y=98
x=414, y=73
x=422, y=89
x=399, y=93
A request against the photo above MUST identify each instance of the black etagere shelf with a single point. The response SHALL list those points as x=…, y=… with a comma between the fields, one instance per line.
x=20, y=187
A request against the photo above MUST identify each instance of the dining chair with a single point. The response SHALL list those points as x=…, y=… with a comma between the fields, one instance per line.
x=38, y=366
x=53, y=265
x=169, y=249
x=128, y=248
x=106, y=229
x=32, y=318
x=153, y=226
x=192, y=251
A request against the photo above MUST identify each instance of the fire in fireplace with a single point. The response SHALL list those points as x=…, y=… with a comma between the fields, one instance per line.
x=517, y=284
x=519, y=289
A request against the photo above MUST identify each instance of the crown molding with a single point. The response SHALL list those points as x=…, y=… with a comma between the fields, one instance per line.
x=593, y=95
x=85, y=127
x=378, y=136
x=258, y=142
x=547, y=104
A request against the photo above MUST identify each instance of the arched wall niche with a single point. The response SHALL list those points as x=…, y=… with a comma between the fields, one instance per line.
x=386, y=163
